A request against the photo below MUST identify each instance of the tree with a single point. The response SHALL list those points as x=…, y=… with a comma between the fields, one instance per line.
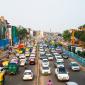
x=66, y=35
x=22, y=33
x=80, y=35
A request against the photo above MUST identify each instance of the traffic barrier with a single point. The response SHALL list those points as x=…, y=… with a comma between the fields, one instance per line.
x=75, y=56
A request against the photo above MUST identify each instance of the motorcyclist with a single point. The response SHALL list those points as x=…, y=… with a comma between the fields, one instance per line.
x=49, y=82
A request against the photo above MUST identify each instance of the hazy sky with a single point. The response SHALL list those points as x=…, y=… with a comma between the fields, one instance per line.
x=57, y=15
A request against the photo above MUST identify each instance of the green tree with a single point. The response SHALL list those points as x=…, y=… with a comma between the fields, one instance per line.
x=66, y=35
x=80, y=35
x=22, y=33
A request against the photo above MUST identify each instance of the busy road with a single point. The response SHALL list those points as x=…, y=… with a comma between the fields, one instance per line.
x=17, y=79
x=74, y=76
x=40, y=78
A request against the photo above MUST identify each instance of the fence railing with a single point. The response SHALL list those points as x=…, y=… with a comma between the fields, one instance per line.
x=76, y=57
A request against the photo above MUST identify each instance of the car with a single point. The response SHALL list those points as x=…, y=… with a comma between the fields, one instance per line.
x=45, y=62
x=74, y=66
x=42, y=57
x=17, y=54
x=32, y=55
x=41, y=49
x=59, y=64
x=27, y=54
x=28, y=75
x=42, y=52
x=32, y=61
x=71, y=83
x=21, y=56
x=22, y=61
x=45, y=70
x=14, y=60
x=61, y=74
x=53, y=50
x=64, y=56
x=49, y=56
x=55, y=54
x=59, y=50
x=59, y=58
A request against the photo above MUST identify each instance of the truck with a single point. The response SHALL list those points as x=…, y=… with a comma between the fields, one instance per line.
x=13, y=68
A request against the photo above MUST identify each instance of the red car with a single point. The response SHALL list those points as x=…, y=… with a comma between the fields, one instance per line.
x=32, y=61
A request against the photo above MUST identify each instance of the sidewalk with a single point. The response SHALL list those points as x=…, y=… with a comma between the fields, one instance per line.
x=82, y=67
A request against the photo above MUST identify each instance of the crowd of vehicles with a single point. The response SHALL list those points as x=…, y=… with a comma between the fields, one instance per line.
x=19, y=58
x=57, y=56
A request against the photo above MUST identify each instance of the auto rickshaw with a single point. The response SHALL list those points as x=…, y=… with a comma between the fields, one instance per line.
x=2, y=78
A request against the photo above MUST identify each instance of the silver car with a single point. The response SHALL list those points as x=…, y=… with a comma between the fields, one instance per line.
x=71, y=83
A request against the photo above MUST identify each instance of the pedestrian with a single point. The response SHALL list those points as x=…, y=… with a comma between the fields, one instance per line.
x=49, y=82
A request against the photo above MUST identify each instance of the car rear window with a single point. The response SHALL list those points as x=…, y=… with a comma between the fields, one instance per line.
x=27, y=73
x=46, y=68
x=62, y=70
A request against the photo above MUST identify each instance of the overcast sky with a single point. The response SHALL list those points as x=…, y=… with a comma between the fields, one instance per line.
x=57, y=15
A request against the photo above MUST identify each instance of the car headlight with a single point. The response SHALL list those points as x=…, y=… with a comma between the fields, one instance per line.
x=59, y=77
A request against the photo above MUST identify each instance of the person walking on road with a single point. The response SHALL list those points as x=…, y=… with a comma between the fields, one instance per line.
x=49, y=82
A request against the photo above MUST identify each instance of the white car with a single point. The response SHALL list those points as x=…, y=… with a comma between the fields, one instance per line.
x=56, y=54
x=45, y=62
x=59, y=64
x=41, y=49
x=21, y=56
x=17, y=54
x=59, y=58
x=61, y=73
x=32, y=55
x=28, y=75
x=74, y=66
x=45, y=70
x=22, y=61
x=42, y=52
x=71, y=83
x=49, y=56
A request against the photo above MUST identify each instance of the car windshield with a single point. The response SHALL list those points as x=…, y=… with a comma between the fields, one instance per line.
x=27, y=73
x=59, y=62
x=75, y=64
x=59, y=57
x=49, y=55
x=45, y=60
x=45, y=68
x=26, y=52
x=62, y=70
